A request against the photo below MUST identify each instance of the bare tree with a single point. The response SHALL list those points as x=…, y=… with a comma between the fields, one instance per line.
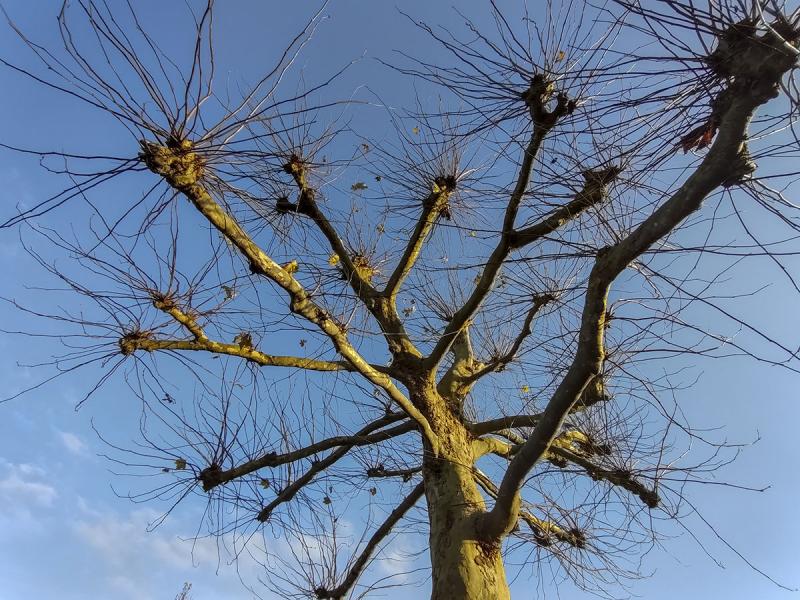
x=465, y=309
x=184, y=593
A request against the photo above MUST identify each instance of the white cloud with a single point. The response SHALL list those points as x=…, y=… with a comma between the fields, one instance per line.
x=134, y=560
x=25, y=496
x=21, y=485
x=72, y=443
x=123, y=541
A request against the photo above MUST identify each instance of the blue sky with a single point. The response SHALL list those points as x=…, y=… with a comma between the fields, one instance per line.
x=65, y=533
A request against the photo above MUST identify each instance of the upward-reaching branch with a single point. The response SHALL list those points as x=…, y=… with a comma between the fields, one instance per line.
x=726, y=163
x=431, y=210
x=183, y=169
x=537, y=97
x=359, y=275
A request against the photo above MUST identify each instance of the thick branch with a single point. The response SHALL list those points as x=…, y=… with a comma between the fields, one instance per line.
x=618, y=477
x=544, y=531
x=167, y=305
x=491, y=445
x=496, y=259
x=214, y=476
x=510, y=422
x=593, y=192
x=431, y=209
x=245, y=352
x=307, y=205
x=405, y=474
x=358, y=275
x=242, y=350
x=456, y=383
x=182, y=170
x=562, y=452
x=736, y=106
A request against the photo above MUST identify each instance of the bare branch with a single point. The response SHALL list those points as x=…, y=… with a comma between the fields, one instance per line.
x=727, y=158
x=363, y=559
x=214, y=475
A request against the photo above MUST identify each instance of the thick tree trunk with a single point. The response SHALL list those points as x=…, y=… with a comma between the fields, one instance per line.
x=463, y=568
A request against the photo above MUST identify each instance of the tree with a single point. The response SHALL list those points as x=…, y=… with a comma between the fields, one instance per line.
x=510, y=387
x=184, y=593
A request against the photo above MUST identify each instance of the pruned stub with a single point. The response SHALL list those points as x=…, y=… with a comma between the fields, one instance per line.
x=443, y=187
x=363, y=267
x=744, y=51
x=537, y=98
x=176, y=161
x=211, y=477
x=132, y=341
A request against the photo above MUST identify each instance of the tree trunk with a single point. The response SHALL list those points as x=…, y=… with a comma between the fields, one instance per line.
x=463, y=568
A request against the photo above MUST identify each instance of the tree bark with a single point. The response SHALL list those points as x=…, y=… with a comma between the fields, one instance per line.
x=463, y=568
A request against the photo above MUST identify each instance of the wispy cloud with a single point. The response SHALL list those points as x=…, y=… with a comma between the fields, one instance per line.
x=22, y=485
x=133, y=559
x=73, y=443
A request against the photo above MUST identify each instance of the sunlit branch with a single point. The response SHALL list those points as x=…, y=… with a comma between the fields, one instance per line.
x=495, y=261
x=455, y=384
x=431, y=209
x=499, y=363
x=358, y=273
x=594, y=191
x=544, y=531
x=182, y=169
x=307, y=205
x=132, y=344
x=544, y=120
x=726, y=162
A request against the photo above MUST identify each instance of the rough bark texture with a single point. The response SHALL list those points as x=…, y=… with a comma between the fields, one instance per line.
x=463, y=567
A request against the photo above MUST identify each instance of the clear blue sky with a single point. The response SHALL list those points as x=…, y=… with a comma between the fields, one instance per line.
x=65, y=534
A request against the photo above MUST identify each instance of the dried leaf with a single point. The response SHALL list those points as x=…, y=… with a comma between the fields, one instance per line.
x=699, y=137
x=244, y=339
